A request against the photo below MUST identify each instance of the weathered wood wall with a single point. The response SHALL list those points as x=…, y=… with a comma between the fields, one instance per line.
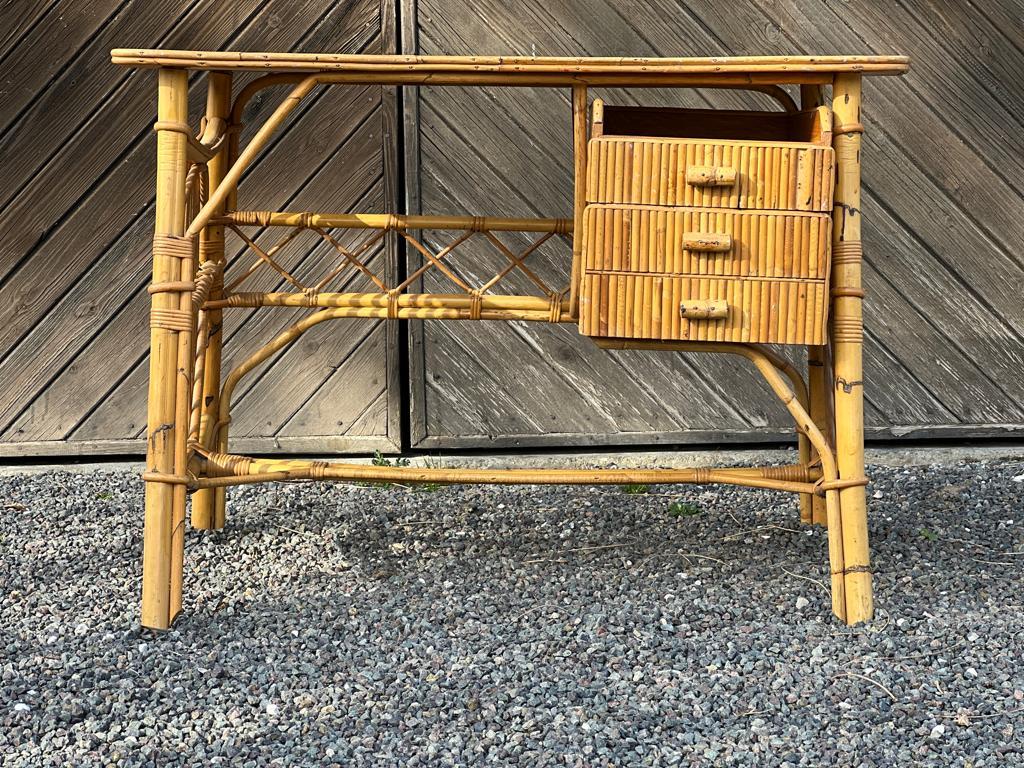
x=77, y=149
x=944, y=220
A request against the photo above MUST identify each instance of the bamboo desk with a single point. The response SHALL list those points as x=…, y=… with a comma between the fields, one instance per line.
x=743, y=233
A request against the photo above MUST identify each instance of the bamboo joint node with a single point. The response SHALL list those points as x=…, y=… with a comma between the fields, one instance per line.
x=847, y=329
x=840, y=130
x=857, y=293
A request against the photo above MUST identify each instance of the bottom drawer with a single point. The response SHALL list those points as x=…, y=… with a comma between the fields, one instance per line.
x=645, y=306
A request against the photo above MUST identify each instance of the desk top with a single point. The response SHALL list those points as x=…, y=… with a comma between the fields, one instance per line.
x=541, y=69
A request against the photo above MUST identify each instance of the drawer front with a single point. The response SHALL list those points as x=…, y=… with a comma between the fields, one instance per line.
x=706, y=242
x=749, y=310
x=718, y=174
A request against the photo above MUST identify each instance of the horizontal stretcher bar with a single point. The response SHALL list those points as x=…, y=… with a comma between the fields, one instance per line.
x=217, y=469
x=392, y=221
x=382, y=300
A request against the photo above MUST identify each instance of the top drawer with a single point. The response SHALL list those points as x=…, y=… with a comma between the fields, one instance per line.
x=714, y=174
x=711, y=158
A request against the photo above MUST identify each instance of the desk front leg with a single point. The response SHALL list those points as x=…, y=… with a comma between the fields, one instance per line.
x=847, y=344
x=165, y=496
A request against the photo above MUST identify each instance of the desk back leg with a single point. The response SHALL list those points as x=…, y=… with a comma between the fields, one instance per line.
x=208, y=503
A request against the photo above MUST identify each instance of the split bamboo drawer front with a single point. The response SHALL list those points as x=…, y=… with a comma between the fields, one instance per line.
x=709, y=237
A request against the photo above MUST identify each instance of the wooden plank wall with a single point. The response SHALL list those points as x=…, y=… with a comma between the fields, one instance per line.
x=77, y=149
x=943, y=226
x=944, y=223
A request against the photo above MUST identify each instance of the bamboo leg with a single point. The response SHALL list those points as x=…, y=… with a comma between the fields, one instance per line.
x=847, y=339
x=208, y=503
x=159, y=567
x=813, y=507
x=819, y=377
x=579, y=144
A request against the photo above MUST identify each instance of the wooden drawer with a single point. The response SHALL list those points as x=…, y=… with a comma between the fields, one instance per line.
x=775, y=175
x=754, y=310
x=713, y=241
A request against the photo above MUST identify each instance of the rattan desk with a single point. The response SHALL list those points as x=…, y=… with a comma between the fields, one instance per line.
x=692, y=230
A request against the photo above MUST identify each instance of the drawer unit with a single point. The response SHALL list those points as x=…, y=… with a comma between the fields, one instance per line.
x=708, y=226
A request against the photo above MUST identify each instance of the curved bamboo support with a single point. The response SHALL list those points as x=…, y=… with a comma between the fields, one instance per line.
x=766, y=363
x=229, y=183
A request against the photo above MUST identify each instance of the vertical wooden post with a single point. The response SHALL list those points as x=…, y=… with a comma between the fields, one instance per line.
x=159, y=567
x=208, y=503
x=579, y=191
x=847, y=343
x=819, y=378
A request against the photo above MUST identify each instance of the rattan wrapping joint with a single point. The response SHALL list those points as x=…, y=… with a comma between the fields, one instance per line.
x=554, y=307
x=173, y=246
x=151, y=476
x=475, y=302
x=177, y=286
x=170, y=319
x=173, y=125
x=393, y=295
x=823, y=485
x=252, y=218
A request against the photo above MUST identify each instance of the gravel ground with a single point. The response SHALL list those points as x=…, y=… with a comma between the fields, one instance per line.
x=345, y=625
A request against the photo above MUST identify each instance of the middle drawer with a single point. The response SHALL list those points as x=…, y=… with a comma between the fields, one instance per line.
x=706, y=241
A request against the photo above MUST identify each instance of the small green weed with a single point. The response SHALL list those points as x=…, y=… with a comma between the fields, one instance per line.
x=683, y=509
x=635, y=488
x=380, y=460
x=929, y=534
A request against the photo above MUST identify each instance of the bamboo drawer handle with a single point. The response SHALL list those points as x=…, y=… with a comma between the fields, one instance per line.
x=710, y=176
x=707, y=241
x=704, y=309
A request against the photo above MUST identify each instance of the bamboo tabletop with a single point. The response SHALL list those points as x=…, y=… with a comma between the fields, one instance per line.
x=553, y=69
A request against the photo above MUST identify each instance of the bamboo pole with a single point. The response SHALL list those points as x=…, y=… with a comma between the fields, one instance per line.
x=812, y=508
x=159, y=567
x=393, y=221
x=211, y=248
x=227, y=469
x=384, y=300
x=579, y=192
x=847, y=340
